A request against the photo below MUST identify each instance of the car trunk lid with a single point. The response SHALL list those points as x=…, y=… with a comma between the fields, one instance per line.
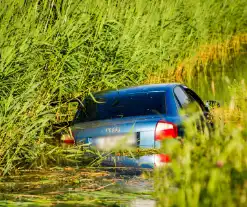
x=138, y=130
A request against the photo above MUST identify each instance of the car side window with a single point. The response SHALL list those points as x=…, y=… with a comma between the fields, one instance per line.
x=182, y=98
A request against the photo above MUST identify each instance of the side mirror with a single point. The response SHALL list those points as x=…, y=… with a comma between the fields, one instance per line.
x=211, y=104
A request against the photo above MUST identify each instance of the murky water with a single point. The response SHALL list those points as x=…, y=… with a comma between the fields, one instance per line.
x=76, y=187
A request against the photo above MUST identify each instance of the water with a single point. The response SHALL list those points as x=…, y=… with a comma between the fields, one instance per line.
x=143, y=203
x=76, y=187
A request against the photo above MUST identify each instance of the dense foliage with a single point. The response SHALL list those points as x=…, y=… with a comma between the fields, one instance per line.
x=208, y=170
x=53, y=50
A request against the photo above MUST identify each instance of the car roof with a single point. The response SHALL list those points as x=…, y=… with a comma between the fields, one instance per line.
x=137, y=89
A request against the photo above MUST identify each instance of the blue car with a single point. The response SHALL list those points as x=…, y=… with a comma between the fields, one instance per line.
x=135, y=117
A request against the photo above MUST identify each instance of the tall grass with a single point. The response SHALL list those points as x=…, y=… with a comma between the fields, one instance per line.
x=208, y=171
x=209, y=60
x=53, y=50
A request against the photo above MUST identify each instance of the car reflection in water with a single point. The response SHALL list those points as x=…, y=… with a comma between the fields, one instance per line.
x=146, y=161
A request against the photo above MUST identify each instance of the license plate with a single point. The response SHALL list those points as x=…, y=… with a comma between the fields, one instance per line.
x=119, y=142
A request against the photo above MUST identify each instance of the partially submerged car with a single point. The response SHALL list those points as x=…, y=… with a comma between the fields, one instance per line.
x=136, y=117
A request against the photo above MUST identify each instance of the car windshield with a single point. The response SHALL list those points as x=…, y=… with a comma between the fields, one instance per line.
x=119, y=106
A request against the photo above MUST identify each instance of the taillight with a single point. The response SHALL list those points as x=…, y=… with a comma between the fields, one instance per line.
x=67, y=139
x=165, y=130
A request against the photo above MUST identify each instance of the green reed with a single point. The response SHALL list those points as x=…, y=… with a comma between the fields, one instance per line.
x=55, y=50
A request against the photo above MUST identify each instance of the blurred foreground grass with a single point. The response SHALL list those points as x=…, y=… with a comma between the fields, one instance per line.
x=209, y=171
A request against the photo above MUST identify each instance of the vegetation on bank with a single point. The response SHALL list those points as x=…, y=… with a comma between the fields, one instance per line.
x=54, y=50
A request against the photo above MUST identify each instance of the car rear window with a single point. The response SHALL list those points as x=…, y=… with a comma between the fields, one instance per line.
x=119, y=106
